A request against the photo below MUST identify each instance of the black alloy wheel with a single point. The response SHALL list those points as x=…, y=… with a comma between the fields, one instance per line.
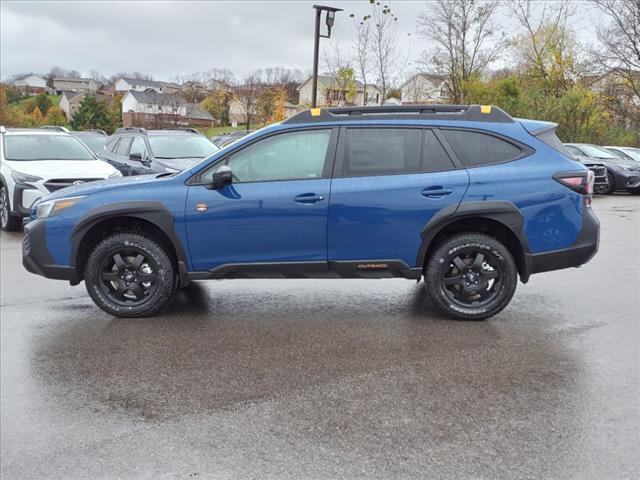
x=128, y=274
x=473, y=277
x=128, y=277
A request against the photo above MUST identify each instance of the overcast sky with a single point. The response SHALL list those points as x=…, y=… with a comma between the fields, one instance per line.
x=165, y=39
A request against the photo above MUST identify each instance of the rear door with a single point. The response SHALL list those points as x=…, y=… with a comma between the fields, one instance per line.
x=388, y=183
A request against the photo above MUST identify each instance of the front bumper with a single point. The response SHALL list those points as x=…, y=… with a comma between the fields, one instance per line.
x=583, y=250
x=36, y=258
x=24, y=196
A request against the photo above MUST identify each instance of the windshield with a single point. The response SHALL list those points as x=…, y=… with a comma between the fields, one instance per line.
x=45, y=147
x=181, y=146
x=632, y=152
x=596, y=152
x=94, y=142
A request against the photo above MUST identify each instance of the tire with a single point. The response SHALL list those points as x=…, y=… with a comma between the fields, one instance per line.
x=129, y=275
x=8, y=221
x=459, y=264
x=612, y=185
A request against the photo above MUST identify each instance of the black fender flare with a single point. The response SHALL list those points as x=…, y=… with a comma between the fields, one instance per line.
x=151, y=211
x=503, y=212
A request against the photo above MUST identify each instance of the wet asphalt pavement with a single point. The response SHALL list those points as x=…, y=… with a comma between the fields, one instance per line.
x=328, y=379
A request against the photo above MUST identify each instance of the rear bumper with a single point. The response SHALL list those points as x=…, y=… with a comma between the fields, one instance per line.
x=36, y=258
x=583, y=250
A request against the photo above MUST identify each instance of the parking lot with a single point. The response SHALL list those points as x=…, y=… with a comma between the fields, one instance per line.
x=328, y=379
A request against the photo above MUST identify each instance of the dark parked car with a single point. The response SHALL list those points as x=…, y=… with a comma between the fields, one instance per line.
x=136, y=151
x=622, y=174
x=228, y=138
x=94, y=139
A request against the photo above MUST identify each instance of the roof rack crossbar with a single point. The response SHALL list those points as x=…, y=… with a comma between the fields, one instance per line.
x=57, y=128
x=474, y=113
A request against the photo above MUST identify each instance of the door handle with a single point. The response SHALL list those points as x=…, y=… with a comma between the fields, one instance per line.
x=436, y=192
x=309, y=198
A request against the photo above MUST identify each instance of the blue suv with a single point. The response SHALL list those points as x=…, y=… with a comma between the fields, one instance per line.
x=466, y=197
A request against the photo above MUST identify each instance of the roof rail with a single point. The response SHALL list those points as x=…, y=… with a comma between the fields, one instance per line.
x=471, y=113
x=2, y=129
x=96, y=130
x=57, y=128
x=131, y=129
x=189, y=129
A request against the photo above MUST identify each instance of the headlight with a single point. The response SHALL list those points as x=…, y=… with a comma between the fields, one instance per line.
x=23, y=179
x=51, y=207
x=115, y=174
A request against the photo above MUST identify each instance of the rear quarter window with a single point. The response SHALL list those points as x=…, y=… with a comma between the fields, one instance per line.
x=475, y=149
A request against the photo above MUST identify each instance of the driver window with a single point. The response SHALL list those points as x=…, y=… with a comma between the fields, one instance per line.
x=289, y=156
x=138, y=146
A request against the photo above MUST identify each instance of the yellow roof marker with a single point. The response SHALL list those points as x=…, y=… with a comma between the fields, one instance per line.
x=315, y=112
x=485, y=108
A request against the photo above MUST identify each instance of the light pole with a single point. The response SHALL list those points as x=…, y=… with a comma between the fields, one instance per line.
x=331, y=15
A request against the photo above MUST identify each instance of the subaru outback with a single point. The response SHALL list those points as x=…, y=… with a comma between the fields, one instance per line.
x=466, y=197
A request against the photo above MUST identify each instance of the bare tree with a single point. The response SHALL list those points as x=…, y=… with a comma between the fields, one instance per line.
x=462, y=32
x=342, y=87
x=362, y=47
x=546, y=40
x=385, y=45
x=246, y=95
x=620, y=41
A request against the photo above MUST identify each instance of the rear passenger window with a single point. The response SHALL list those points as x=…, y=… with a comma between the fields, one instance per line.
x=475, y=149
x=379, y=151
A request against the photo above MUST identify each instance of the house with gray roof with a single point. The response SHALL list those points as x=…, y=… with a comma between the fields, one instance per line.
x=150, y=108
x=332, y=94
x=125, y=84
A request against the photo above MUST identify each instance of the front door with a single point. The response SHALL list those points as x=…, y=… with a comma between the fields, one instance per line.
x=388, y=183
x=275, y=210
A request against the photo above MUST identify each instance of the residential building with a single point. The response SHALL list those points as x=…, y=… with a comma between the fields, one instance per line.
x=31, y=83
x=80, y=85
x=124, y=84
x=70, y=101
x=331, y=94
x=424, y=88
x=159, y=110
x=238, y=111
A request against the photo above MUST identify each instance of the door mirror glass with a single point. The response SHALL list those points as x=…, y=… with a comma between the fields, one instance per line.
x=221, y=177
x=136, y=157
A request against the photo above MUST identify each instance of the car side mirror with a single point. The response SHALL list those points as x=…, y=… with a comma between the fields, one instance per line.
x=137, y=157
x=221, y=177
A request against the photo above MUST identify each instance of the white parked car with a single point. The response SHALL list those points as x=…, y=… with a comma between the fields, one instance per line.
x=36, y=162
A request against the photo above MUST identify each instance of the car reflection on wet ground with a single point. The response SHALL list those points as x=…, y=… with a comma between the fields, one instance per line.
x=326, y=379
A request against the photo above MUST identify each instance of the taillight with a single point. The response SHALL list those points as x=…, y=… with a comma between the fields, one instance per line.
x=581, y=182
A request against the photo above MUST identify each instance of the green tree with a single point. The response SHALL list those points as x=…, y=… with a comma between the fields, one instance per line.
x=92, y=113
x=55, y=116
x=42, y=102
x=217, y=104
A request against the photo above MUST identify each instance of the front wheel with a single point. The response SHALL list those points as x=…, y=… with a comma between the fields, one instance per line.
x=471, y=276
x=8, y=222
x=611, y=187
x=129, y=275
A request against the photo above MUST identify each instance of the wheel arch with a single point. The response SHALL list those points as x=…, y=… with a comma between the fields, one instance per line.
x=499, y=219
x=150, y=218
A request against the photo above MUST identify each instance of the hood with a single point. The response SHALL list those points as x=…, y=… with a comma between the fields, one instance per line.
x=589, y=160
x=179, y=163
x=63, y=168
x=621, y=162
x=103, y=185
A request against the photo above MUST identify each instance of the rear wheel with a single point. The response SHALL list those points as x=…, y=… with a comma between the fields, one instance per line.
x=129, y=275
x=471, y=276
x=8, y=222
